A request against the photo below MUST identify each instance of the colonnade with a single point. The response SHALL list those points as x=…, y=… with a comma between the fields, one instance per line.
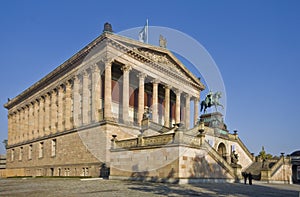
x=77, y=101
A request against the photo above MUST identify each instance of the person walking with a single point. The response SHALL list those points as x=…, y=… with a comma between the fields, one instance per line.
x=250, y=178
x=244, y=174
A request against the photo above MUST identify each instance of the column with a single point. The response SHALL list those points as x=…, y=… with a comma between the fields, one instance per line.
x=68, y=106
x=9, y=134
x=142, y=77
x=30, y=121
x=187, y=110
x=53, y=111
x=26, y=123
x=36, y=118
x=177, y=112
x=18, y=127
x=96, y=93
x=47, y=115
x=85, y=98
x=21, y=125
x=41, y=117
x=107, y=92
x=76, y=101
x=125, y=111
x=14, y=127
x=155, y=101
x=60, y=106
x=196, y=110
x=167, y=106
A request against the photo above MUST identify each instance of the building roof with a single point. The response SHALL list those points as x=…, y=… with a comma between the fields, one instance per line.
x=295, y=153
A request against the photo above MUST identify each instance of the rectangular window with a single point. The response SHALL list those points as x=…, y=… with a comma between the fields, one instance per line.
x=232, y=148
x=85, y=172
x=12, y=154
x=41, y=149
x=53, y=147
x=298, y=172
x=21, y=153
x=30, y=152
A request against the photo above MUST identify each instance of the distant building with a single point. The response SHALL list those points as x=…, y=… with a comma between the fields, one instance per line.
x=295, y=156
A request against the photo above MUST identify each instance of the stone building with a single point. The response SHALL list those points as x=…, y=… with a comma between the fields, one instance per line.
x=62, y=125
x=295, y=159
x=122, y=105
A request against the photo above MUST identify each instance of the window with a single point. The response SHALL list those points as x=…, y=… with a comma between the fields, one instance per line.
x=67, y=171
x=41, y=149
x=85, y=172
x=53, y=147
x=298, y=172
x=21, y=153
x=232, y=148
x=12, y=154
x=30, y=152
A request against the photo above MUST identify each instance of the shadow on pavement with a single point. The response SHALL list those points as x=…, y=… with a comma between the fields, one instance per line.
x=210, y=189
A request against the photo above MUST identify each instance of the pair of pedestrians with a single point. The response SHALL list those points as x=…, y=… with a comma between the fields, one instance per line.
x=247, y=176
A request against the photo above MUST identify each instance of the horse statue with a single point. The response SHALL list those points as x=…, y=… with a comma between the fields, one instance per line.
x=211, y=99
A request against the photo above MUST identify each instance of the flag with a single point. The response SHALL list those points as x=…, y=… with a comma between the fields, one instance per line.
x=143, y=34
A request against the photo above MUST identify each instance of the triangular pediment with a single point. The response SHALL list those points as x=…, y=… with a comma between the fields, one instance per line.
x=154, y=54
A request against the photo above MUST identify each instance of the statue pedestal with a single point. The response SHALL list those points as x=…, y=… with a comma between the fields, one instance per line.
x=213, y=120
x=237, y=171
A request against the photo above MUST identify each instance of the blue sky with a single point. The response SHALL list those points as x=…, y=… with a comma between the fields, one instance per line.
x=256, y=45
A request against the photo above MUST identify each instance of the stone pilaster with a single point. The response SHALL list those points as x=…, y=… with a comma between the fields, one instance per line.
x=26, y=123
x=167, y=106
x=36, y=118
x=141, y=104
x=47, y=114
x=68, y=106
x=155, y=101
x=18, y=126
x=107, y=92
x=196, y=110
x=187, y=110
x=31, y=121
x=21, y=125
x=60, y=98
x=85, y=98
x=9, y=134
x=125, y=112
x=178, y=102
x=53, y=111
x=41, y=117
x=96, y=93
x=14, y=128
x=76, y=101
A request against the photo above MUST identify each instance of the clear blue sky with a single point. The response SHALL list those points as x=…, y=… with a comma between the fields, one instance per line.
x=256, y=45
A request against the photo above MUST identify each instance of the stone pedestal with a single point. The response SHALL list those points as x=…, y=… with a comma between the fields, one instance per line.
x=237, y=171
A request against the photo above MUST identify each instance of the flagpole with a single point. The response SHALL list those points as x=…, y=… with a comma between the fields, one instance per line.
x=147, y=30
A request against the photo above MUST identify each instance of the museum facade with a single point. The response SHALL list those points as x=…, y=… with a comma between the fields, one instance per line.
x=123, y=109
x=102, y=88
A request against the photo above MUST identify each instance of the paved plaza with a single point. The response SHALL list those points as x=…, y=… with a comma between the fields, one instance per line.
x=76, y=187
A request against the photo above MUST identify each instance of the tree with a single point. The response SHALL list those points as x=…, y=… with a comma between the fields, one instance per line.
x=264, y=156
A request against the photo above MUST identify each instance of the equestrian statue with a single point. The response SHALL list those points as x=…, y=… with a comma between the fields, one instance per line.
x=211, y=99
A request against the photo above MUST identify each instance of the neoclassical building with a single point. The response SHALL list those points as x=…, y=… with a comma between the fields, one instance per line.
x=62, y=125
x=129, y=107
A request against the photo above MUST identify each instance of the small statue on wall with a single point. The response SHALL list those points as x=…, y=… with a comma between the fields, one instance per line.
x=162, y=41
x=234, y=158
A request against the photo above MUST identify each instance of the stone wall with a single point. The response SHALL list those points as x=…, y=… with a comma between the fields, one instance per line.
x=78, y=153
x=168, y=163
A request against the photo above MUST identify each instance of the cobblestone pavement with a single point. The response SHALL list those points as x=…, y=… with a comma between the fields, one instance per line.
x=76, y=187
